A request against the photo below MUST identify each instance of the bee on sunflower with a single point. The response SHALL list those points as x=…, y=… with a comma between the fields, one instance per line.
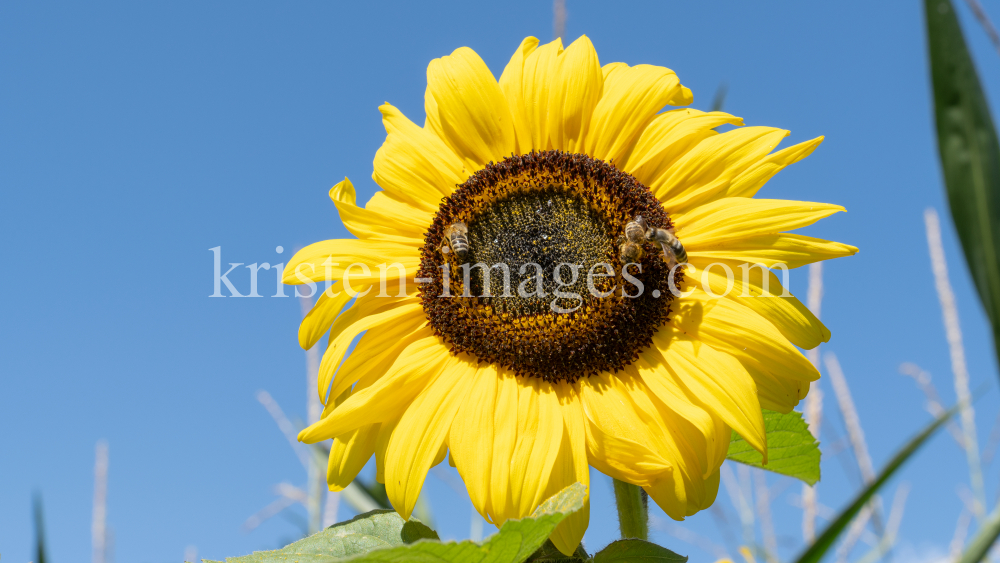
x=523, y=392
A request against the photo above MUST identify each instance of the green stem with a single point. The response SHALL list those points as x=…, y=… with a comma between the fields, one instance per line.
x=633, y=510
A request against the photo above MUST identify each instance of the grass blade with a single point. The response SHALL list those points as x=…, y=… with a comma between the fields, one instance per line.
x=984, y=539
x=825, y=541
x=39, y=529
x=969, y=151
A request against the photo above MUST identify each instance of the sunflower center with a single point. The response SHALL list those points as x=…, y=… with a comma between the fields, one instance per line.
x=522, y=267
x=547, y=239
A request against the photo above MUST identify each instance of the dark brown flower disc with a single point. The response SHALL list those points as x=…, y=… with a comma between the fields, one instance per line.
x=541, y=289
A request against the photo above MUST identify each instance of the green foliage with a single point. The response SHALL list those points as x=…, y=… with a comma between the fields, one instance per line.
x=980, y=545
x=373, y=530
x=970, y=153
x=791, y=448
x=825, y=541
x=381, y=535
x=516, y=541
x=629, y=551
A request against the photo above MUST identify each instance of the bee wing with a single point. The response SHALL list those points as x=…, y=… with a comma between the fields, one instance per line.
x=668, y=253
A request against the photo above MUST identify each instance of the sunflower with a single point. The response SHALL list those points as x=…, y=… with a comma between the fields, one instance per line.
x=598, y=358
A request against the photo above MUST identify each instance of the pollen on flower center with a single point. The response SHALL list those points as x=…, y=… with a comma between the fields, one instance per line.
x=533, y=233
x=540, y=289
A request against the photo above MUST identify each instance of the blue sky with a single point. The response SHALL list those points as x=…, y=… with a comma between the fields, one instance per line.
x=134, y=137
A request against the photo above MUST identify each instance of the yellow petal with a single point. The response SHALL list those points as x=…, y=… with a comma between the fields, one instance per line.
x=381, y=445
x=559, y=90
x=471, y=437
x=366, y=224
x=719, y=381
x=571, y=467
x=631, y=98
x=540, y=66
x=734, y=218
x=789, y=249
x=414, y=163
x=753, y=178
x=671, y=135
x=539, y=435
x=574, y=95
x=738, y=331
x=619, y=442
x=399, y=211
x=705, y=171
x=505, y=439
x=679, y=496
x=467, y=110
x=321, y=316
x=418, y=439
x=329, y=259
x=349, y=454
x=776, y=393
x=511, y=82
x=765, y=296
x=678, y=438
x=367, y=313
x=392, y=393
x=374, y=353
x=683, y=413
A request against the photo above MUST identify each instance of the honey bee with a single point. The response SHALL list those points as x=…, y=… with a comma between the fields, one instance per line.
x=673, y=250
x=456, y=238
x=636, y=229
x=630, y=252
x=631, y=249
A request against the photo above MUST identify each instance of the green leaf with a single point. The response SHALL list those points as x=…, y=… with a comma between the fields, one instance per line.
x=377, y=529
x=987, y=535
x=970, y=153
x=791, y=448
x=516, y=541
x=628, y=551
x=822, y=544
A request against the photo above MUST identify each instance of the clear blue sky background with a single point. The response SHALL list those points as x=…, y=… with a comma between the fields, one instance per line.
x=136, y=136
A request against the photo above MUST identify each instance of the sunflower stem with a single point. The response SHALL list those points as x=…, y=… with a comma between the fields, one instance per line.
x=633, y=510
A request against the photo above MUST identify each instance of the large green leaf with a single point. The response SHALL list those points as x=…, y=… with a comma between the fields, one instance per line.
x=516, y=541
x=970, y=153
x=377, y=529
x=791, y=448
x=814, y=552
x=984, y=539
x=631, y=550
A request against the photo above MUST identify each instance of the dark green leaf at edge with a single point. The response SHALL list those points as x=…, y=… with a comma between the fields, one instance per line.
x=969, y=151
x=627, y=551
x=792, y=449
x=818, y=549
